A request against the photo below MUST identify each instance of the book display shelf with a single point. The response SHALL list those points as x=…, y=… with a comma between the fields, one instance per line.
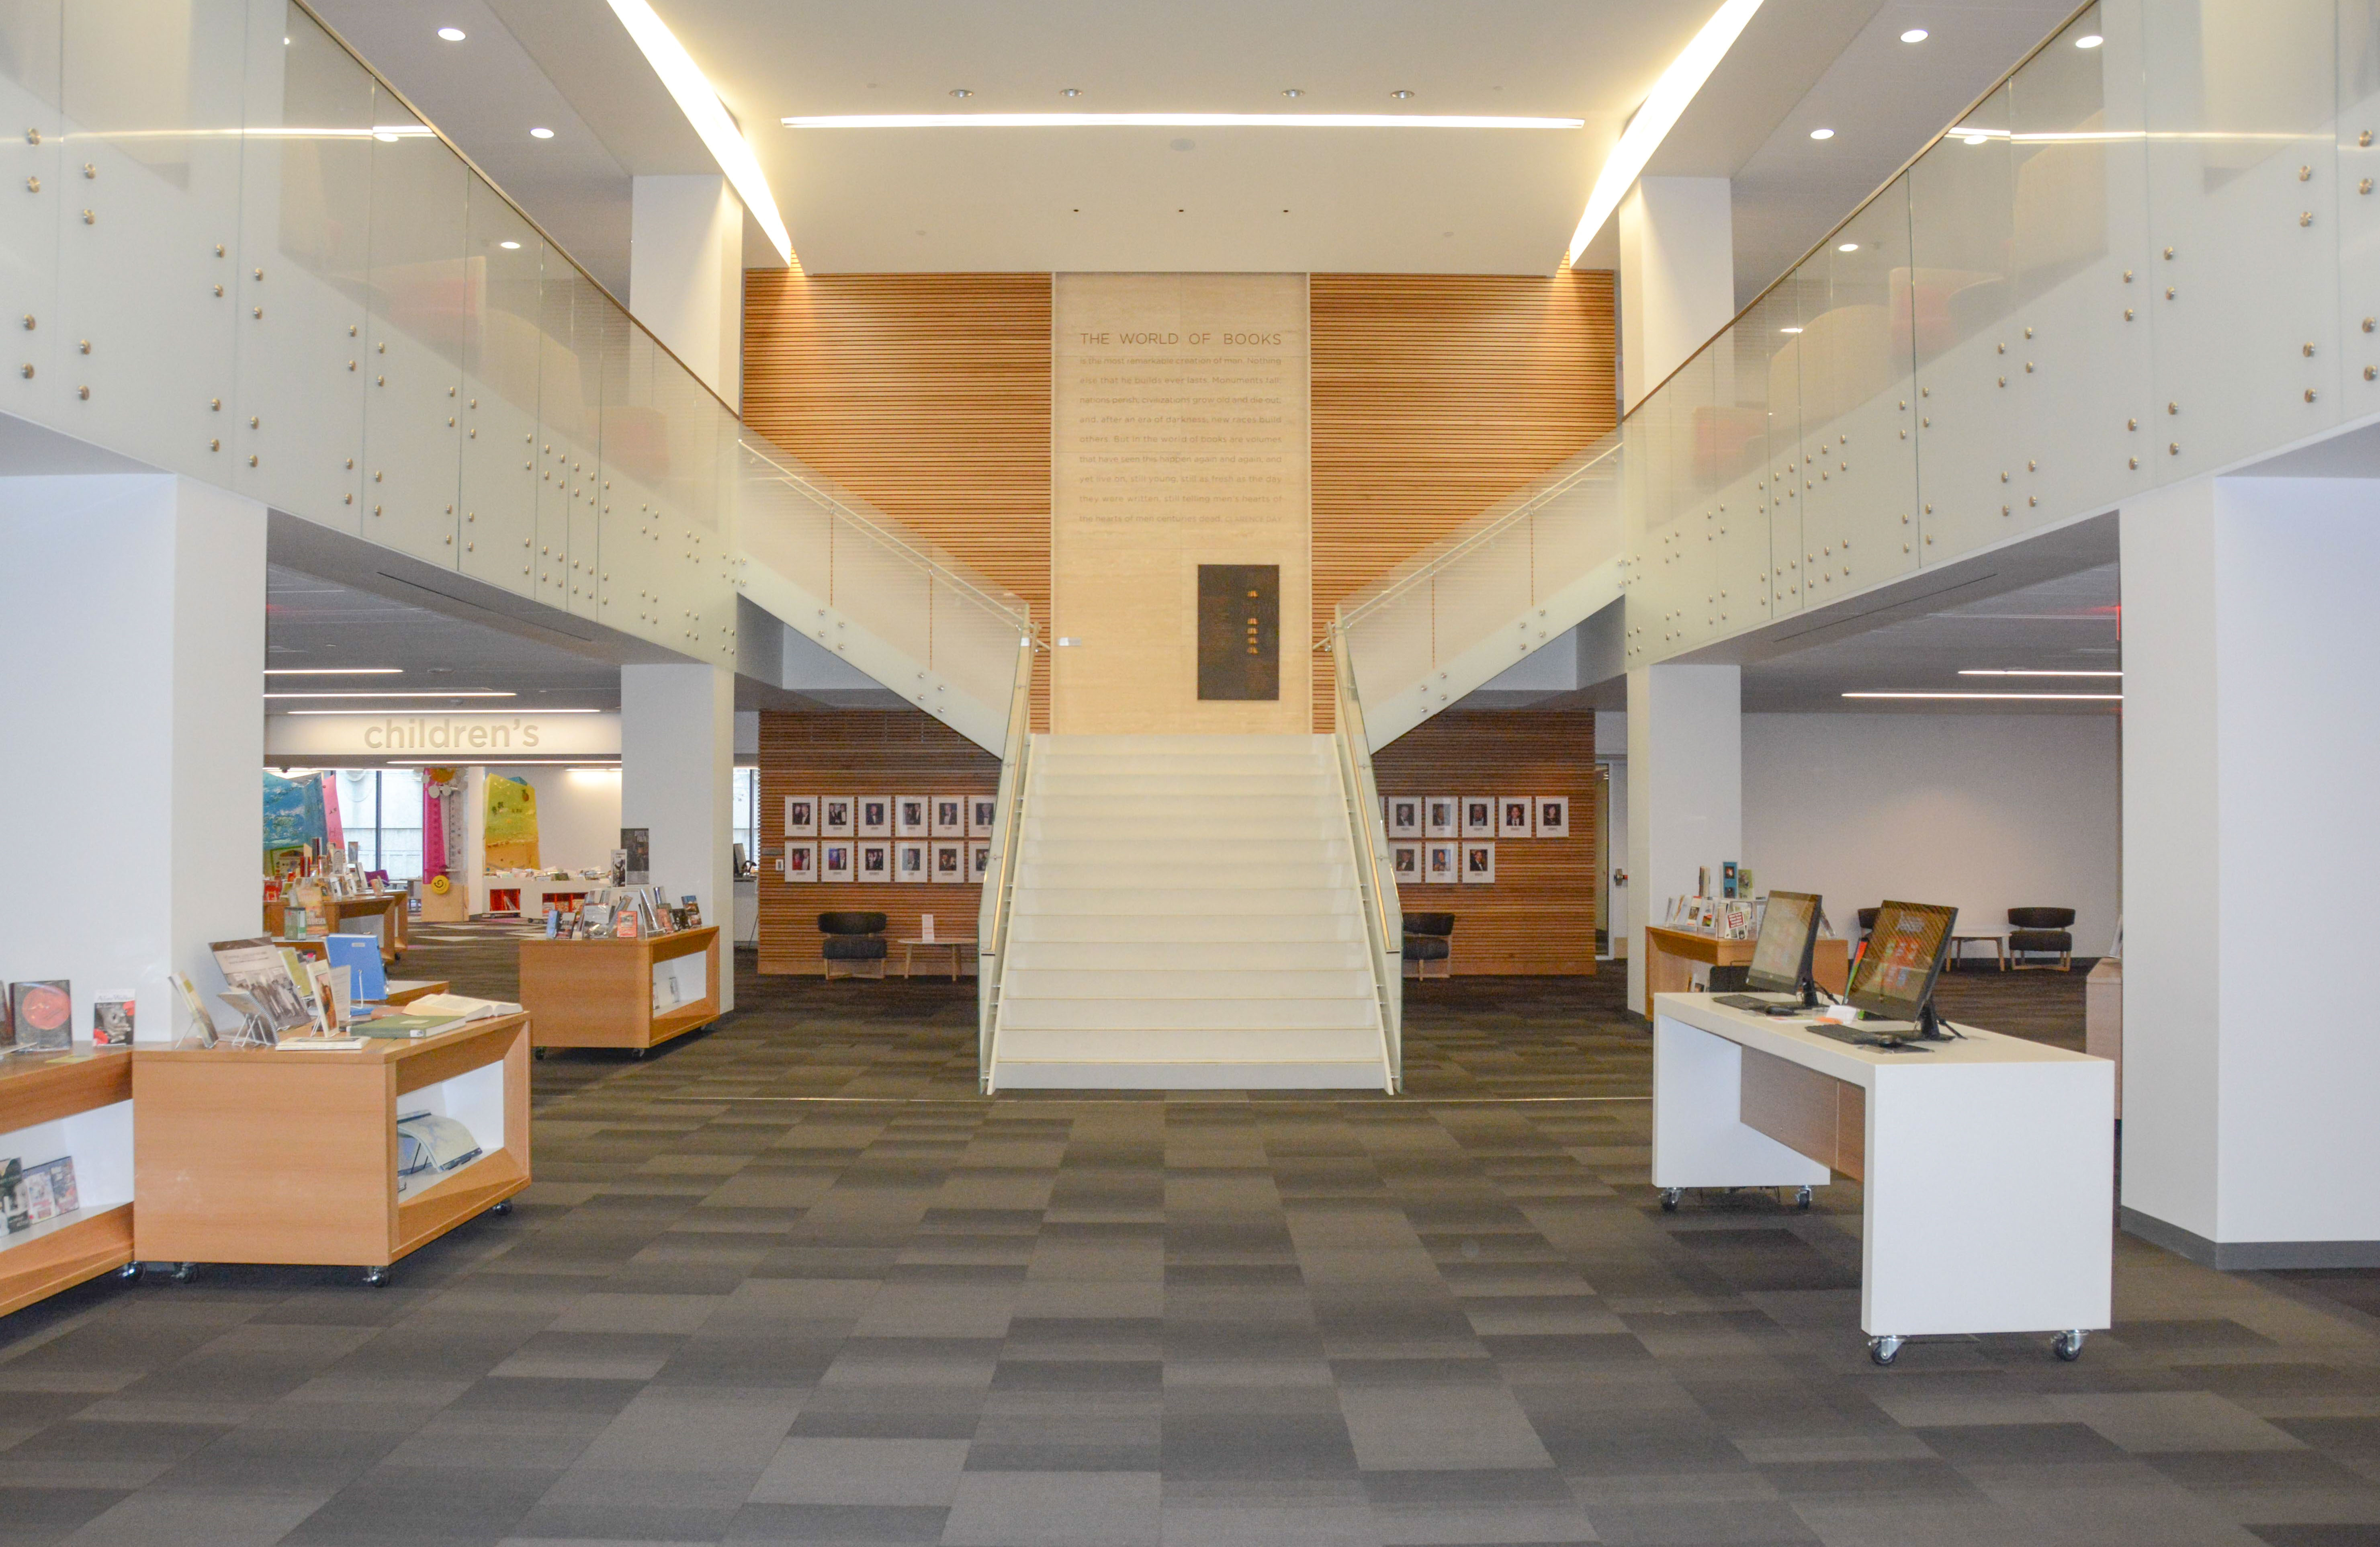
x=622, y=994
x=77, y=1106
x=287, y=1156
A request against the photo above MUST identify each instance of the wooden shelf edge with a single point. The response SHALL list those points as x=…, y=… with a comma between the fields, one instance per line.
x=465, y=1195
x=685, y=1019
x=67, y=1255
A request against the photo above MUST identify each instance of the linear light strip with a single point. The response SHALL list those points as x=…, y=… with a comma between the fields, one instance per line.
x=2026, y=671
x=425, y=693
x=2047, y=697
x=1658, y=115
x=709, y=115
x=447, y=714
x=1176, y=120
x=335, y=671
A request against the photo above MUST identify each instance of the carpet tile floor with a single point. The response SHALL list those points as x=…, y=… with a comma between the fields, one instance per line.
x=792, y=1280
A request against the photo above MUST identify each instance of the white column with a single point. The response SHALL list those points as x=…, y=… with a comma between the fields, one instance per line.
x=1685, y=790
x=677, y=772
x=473, y=816
x=1677, y=275
x=686, y=274
x=2251, y=1045
x=132, y=662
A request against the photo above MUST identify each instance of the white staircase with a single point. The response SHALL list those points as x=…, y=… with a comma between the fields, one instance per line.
x=1187, y=917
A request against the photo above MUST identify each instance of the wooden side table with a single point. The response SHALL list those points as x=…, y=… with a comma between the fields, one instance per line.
x=957, y=948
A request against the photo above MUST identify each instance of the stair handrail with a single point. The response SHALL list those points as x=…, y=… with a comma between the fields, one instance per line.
x=1374, y=878
x=944, y=566
x=997, y=905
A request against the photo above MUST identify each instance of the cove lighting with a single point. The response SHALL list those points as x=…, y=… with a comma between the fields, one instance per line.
x=1915, y=34
x=709, y=115
x=2026, y=671
x=452, y=34
x=1175, y=120
x=1789, y=330
x=1658, y=114
x=423, y=693
x=2037, y=698
x=335, y=671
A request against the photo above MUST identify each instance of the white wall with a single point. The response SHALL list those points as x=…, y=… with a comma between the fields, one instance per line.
x=578, y=813
x=1987, y=812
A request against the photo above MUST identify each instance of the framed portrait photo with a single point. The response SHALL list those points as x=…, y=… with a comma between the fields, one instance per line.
x=949, y=855
x=801, y=816
x=910, y=817
x=1404, y=815
x=875, y=816
x=909, y=862
x=1404, y=863
x=1478, y=816
x=801, y=862
x=949, y=817
x=836, y=816
x=875, y=861
x=836, y=862
x=981, y=810
x=1553, y=816
x=979, y=860
x=1514, y=817
x=1478, y=864
x=1440, y=816
x=1442, y=863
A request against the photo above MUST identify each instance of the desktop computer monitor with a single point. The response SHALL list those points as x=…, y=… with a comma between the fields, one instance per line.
x=1894, y=976
x=1789, y=935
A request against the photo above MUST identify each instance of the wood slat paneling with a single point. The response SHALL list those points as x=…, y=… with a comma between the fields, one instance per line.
x=1436, y=395
x=926, y=395
x=856, y=752
x=1538, y=916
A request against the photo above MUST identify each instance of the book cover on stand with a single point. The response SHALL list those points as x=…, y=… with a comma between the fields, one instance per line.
x=44, y=1012
x=111, y=1021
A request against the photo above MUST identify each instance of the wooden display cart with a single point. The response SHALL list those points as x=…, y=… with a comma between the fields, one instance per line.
x=1670, y=955
x=75, y=1105
x=270, y=1155
x=599, y=992
x=385, y=910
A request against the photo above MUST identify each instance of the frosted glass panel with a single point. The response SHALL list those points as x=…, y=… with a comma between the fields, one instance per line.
x=2358, y=163
x=306, y=222
x=503, y=265
x=150, y=188
x=570, y=394
x=1859, y=457
x=28, y=177
x=412, y=439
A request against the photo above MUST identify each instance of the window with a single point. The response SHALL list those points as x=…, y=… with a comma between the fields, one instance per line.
x=379, y=812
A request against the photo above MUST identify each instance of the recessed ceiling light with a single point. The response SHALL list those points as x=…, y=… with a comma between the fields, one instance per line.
x=452, y=34
x=2039, y=698
x=961, y=92
x=1294, y=92
x=1976, y=139
x=2089, y=39
x=1789, y=330
x=2026, y=671
x=1848, y=247
x=1176, y=120
x=540, y=133
x=1072, y=92
x=426, y=693
x=1402, y=96
x=1915, y=34
x=509, y=246
x=335, y=671
x=1822, y=134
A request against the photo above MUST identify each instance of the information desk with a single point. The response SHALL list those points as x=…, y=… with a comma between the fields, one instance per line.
x=1670, y=956
x=624, y=993
x=279, y=1155
x=1987, y=1164
x=73, y=1106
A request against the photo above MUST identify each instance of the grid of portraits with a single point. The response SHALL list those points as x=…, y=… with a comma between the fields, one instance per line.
x=1450, y=840
x=919, y=839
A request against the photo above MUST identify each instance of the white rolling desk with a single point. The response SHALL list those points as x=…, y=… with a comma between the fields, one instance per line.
x=1988, y=1163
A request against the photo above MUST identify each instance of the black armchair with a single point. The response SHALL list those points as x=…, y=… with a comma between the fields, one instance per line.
x=2041, y=932
x=852, y=939
x=1429, y=938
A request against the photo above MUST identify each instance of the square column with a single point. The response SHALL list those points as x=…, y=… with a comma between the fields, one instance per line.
x=1685, y=790
x=2251, y=732
x=677, y=777
x=131, y=665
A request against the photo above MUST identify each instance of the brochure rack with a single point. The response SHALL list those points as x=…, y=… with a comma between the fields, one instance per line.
x=78, y=1105
x=276, y=1156
x=604, y=992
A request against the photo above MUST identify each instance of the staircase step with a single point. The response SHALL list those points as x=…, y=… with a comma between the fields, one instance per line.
x=1213, y=876
x=1207, y=1014
x=1338, y=954
x=1217, y=1045
x=1212, y=902
x=1173, y=849
x=1265, y=985
x=1100, y=928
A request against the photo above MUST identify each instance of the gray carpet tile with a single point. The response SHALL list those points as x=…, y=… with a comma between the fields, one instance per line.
x=793, y=1280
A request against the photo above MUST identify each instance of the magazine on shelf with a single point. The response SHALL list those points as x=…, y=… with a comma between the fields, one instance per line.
x=255, y=968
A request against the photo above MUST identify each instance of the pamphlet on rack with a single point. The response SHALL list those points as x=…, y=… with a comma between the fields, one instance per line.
x=269, y=995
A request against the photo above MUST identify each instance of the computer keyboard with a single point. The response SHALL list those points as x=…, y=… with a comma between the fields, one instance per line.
x=1757, y=1004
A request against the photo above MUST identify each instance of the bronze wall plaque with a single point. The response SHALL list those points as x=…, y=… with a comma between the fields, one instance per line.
x=1239, y=631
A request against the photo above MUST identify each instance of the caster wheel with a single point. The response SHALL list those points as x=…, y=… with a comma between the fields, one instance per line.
x=184, y=1272
x=1671, y=1198
x=1802, y=1200
x=538, y=1054
x=1883, y=1350
x=503, y=1207
x=376, y=1278
x=640, y=1055
x=129, y=1273
x=2068, y=1346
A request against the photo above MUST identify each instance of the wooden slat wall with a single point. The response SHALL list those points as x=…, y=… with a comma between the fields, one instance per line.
x=856, y=752
x=1436, y=395
x=1538, y=916
x=926, y=395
